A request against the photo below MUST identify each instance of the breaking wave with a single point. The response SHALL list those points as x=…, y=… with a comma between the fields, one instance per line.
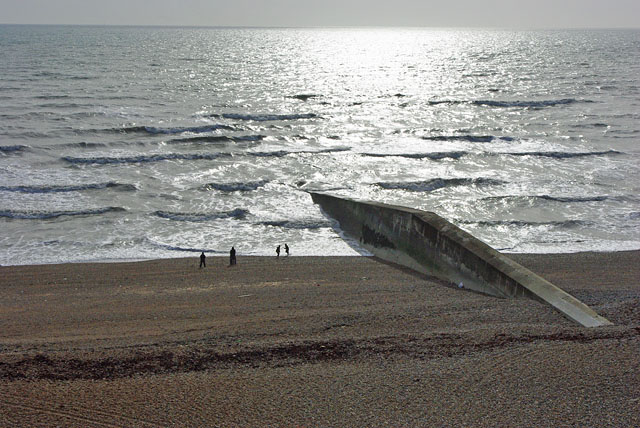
x=439, y=183
x=69, y=188
x=43, y=215
x=237, y=214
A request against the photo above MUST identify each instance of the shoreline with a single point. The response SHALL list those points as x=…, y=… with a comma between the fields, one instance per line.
x=220, y=255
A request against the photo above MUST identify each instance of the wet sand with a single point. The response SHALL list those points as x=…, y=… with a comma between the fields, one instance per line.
x=313, y=342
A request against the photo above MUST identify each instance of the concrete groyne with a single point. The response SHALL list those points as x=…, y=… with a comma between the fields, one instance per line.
x=428, y=243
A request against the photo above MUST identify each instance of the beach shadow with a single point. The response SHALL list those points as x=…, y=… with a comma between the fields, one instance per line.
x=426, y=277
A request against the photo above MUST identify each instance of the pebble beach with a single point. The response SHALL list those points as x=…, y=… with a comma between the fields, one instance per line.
x=313, y=342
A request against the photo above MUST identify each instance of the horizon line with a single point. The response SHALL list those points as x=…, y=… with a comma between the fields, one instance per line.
x=275, y=27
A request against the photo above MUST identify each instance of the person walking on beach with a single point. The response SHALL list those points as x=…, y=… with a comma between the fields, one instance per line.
x=286, y=249
x=232, y=256
x=202, y=260
x=278, y=252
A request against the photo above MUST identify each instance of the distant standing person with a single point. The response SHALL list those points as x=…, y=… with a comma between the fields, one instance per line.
x=286, y=249
x=232, y=256
x=202, y=260
x=278, y=251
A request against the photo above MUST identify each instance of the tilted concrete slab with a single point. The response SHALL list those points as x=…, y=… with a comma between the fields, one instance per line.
x=428, y=243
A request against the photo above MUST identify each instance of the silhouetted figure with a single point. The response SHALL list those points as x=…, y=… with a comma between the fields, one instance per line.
x=286, y=249
x=202, y=260
x=278, y=251
x=232, y=256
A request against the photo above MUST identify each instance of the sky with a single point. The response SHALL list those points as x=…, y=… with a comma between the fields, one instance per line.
x=314, y=13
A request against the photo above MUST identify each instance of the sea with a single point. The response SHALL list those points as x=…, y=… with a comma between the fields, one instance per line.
x=129, y=143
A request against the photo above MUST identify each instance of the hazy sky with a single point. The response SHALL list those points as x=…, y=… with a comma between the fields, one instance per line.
x=428, y=13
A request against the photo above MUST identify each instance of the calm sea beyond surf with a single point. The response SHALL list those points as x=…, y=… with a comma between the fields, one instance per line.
x=143, y=142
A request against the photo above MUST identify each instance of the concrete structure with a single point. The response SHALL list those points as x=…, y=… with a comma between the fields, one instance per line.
x=428, y=243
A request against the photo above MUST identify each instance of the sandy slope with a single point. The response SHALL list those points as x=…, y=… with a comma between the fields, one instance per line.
x=307, y=341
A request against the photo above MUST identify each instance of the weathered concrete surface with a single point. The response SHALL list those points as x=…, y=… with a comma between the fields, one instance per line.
x=428, y=243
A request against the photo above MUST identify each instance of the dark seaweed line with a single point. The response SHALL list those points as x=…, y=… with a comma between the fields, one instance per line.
x=41, y=366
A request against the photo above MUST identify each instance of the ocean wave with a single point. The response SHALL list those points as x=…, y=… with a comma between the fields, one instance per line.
x=94, y=114
x=13, y=149
x=168, y=131
x=282, y=153
x=561, y=155
x=297, y=224
x=574, y=198
x=330, y=150
x=446, y=102
x=528, y=104
x=303, y=97
x=566, y=224
x=589, y=125
x=16, y=116
x=439, y=183
x=562, y=199
x=143, y=158
x=468, y=138
x=432, y=156
x=237, y=214
x=266, y=117
x=44, y=215
x=85, y=145
x=235, y=187
x=51, y=97
x=185, y=249
x=274, y=154
x=192, y=129
x=69, y=188
x=219, y=139
x=34, y=134
x=66, y=105
x=507, y=104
